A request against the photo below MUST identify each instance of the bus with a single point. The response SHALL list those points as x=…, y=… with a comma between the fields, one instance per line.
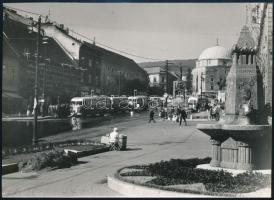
x=84, y=106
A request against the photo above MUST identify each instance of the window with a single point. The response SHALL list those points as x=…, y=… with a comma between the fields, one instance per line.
x=211, y=79
x=163, y=79
x=211, y=87
x=89, y=62
x=154, y=80
x=96, y=80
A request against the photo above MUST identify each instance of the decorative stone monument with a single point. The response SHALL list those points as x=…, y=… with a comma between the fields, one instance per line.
x=242, y=138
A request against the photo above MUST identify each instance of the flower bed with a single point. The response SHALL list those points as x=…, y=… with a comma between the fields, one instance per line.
x=183, y=172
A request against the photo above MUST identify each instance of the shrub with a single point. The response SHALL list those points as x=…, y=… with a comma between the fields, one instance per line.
x=50, y=159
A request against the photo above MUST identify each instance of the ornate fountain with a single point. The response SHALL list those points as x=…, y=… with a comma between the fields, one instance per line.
x=242, y=138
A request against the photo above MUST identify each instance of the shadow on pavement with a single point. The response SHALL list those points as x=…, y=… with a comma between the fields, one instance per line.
x=81, y=162
x=133, y=149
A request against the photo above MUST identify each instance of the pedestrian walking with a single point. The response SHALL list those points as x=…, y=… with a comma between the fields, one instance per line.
x=183, y=116
x=178, y=113
x=151, y=116
x=165, y=113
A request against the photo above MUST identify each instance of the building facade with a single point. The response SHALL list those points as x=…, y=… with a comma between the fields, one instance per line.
x=211, y=70
x=159, y=78
x=68, y=67
x=110, y=73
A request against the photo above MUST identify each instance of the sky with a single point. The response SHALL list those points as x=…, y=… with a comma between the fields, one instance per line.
x=154, y=30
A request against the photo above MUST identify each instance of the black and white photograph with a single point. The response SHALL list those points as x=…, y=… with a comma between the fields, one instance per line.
x=137, y=99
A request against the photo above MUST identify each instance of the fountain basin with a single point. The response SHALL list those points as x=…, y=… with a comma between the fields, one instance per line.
x=244, y=147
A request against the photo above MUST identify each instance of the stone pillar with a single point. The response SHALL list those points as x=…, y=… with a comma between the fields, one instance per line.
x=216, y=153
x=250, y=59
x=240, y=61
x=244, y=156
x=243, y=59
x=234, y=58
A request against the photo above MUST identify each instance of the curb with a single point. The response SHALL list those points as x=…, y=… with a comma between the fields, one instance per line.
x=26, y=118
x=132, y=190
x=13, y=167
x=9, y=168
x=91, y=152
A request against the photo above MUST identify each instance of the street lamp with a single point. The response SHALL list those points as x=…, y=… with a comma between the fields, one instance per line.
x=202, y=79
x=119, y=82
x=35, y=106
x=166, y=70
x=45, y=42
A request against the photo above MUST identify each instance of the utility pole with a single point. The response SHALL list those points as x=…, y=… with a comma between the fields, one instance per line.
x=45, y=43
x=119, y=83
x=166, y=70
x=181, y=71
x=34, y=140
x=166, y=88
x=202, y=85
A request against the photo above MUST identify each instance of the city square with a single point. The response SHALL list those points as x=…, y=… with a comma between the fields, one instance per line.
x=83, y=118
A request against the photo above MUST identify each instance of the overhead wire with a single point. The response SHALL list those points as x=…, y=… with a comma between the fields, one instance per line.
x=104, y=45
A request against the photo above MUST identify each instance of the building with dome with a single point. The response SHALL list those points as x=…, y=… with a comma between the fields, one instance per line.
x=211, y=70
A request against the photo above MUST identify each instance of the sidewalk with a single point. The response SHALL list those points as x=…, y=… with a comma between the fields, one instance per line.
x=146, y=143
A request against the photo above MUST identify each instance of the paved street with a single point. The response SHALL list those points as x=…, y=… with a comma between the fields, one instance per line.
x=146, y=143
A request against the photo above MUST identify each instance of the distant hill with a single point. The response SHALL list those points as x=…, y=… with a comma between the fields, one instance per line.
x=175, y=67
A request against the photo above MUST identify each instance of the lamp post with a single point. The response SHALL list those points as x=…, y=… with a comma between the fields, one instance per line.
x=119, y=82
x=34, y=139
x=45, y=42
x=202, y=78
x=166, y=71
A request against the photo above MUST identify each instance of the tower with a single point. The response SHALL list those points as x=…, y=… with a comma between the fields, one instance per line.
x=244, y=81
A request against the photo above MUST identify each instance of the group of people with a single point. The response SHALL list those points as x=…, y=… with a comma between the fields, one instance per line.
x=214, y=110
x=175, y=115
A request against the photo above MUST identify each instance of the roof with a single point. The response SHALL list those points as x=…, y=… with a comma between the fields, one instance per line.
x=111, y=53
x=245, y=40
x=153, y=70
x=158, y=70
x=215, y=52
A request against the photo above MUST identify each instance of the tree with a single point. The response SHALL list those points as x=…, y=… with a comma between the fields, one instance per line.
x=189, y=81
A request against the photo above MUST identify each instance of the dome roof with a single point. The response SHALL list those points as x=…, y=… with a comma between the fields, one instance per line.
x=216, y=52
